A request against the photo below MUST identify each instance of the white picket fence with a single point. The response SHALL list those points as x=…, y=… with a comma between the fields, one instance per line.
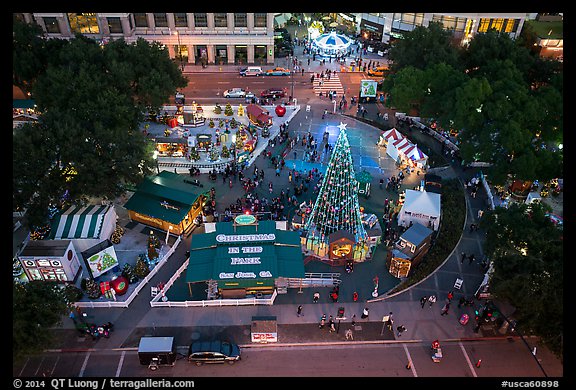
x=160, y=301
x=143, y=283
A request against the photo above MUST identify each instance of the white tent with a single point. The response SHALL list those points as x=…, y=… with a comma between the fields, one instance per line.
x=389, y=135
x=394, y=147
x=422, y=207
x=416, y=156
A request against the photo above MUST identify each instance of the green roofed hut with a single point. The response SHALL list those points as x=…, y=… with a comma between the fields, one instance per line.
x=244, y=258
x=167, y=201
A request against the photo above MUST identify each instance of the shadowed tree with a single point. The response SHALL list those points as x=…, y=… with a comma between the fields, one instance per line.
x=88, y=142
x=527, y=250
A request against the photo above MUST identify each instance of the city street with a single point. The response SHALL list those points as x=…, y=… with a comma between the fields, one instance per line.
x=375, y=359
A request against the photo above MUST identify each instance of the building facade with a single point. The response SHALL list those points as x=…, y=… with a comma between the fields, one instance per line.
x=384, y=26
x=192, y=38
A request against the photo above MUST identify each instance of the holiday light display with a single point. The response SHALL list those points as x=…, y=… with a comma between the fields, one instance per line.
x=336, y=208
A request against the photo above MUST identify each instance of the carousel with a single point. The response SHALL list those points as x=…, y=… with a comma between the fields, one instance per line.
x=331, y=44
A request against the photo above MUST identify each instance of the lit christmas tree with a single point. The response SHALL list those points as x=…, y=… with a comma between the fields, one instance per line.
x=228, y=110
x=337, y=206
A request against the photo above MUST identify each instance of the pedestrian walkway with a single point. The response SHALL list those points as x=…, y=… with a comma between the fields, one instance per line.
x=328, y=84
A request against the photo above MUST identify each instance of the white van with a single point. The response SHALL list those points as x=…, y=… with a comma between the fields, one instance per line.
x=251, y=71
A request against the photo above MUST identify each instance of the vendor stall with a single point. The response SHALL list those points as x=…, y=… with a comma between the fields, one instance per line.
x=245, y=257
x=166, y=201
x=55, y=260
x=388, y=136
x=422, y=207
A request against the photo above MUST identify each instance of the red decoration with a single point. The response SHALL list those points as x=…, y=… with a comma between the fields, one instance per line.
x=280, y=110
x=120, y=285
x=104, y=286
x=172, y=122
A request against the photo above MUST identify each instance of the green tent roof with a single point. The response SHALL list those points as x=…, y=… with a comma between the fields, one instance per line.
x=79, y=222
x=243, y=261
x=166, y=196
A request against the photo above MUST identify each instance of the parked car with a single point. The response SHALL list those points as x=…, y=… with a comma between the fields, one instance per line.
x=277, y=71
x=251, y=71
x=273, y=92
x=218, y=351
x=237, y=93
x=380, y=71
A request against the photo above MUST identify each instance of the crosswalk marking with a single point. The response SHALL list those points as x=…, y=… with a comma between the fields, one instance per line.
x=328, y=85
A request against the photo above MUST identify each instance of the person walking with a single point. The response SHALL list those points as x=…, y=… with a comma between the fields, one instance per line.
x=349, y=335
x=431, y=300
x=423, y=301
x=365, y=313
x=322, y=321
x=445, y=309
x=355, y=296
x=299, y=311
x=461, y=301
x=462, y=257
x=471, y=259
x=331, y=324
x=450, y=296
x=400, y=330
x=316, y=297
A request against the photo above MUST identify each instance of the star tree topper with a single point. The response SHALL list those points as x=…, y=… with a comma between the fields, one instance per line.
x=342, y=126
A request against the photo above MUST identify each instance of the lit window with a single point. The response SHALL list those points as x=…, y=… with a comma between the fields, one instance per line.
x=85, y=23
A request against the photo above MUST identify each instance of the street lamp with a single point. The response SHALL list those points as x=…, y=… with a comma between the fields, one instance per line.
x=155, y=157
x=179, y=50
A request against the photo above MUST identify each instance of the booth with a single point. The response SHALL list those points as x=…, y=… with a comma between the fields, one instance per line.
x=389, y=135
x=409, y=250
x=90, y=222
x=422, y=207
x=166, y=201
x=53, y=260
x=245, y=257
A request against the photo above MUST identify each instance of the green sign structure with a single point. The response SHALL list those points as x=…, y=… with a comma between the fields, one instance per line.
x=245, y=219
x=368, y=88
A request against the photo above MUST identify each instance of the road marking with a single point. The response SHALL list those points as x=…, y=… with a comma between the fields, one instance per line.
x=467, y=359
x=120, y=363
x=223, y=82
x=81, y=374
x=24, y=366
x=410, y=360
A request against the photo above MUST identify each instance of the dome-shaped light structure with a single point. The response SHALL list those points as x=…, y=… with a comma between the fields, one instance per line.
x=331, y=44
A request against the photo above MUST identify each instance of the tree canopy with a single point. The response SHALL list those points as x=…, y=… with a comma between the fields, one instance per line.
x=36, y=307
x=527, y=250
x=92, y=99
x=504, y=102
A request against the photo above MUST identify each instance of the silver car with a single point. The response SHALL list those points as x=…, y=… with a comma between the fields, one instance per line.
x=237, y=93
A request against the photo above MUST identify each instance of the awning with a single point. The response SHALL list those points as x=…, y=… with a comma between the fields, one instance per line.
x=79, y=222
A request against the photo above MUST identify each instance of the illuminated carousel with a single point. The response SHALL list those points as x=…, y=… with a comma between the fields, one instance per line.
x=331, y=44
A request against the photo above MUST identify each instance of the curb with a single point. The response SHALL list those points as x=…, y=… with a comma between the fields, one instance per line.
x=306, y=344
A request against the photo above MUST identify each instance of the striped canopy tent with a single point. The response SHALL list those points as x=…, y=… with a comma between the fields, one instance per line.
x=93, y=221
x=389, y=135
x=331, y=44
x=394, y=149
x=414, y=154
